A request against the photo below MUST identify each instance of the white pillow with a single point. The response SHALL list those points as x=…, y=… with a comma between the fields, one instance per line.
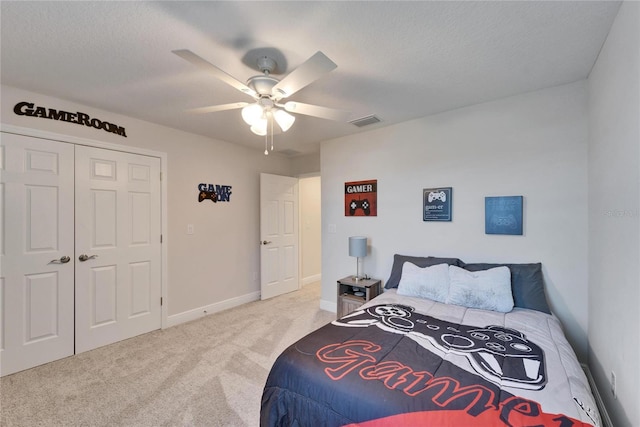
x=428, y=282
x=487, y=289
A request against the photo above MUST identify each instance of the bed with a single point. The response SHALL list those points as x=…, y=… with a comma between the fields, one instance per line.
x=422, y=354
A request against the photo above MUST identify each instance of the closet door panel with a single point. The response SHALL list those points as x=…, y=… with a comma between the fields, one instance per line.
x=118, y=283
x=36, y=252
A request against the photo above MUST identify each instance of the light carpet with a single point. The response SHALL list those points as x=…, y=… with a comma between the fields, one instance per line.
x=209, y=372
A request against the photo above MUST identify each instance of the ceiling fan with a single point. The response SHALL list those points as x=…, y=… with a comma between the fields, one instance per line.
x=270, y=93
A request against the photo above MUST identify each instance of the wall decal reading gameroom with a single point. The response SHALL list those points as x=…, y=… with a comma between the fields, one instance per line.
x=31, y=110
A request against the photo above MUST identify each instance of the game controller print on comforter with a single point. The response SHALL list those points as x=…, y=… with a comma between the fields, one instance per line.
x=409, y=361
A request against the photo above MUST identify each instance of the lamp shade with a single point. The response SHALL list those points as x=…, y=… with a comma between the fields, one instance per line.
x=284, y=119
x=252, y=113
x=259, y=127
x=358, y=246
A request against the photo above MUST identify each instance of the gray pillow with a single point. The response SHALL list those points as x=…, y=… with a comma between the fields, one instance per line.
x=527, y=284
x=420, y=261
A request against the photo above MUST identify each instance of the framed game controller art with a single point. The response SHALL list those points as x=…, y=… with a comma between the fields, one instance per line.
x=436, y=204
x=503, y=215
x=361, y=198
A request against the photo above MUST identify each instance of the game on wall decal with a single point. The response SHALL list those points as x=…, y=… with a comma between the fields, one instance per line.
x=213, y=192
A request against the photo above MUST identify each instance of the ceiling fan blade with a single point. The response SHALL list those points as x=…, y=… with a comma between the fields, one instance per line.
x=317, y=111
x=215, y=71
x=221, y=107
x=311, y=70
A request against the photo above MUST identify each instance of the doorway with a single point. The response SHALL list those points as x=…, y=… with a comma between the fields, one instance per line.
x=310, y=229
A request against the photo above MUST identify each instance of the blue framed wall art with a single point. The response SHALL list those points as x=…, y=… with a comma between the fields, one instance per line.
x=503, y=215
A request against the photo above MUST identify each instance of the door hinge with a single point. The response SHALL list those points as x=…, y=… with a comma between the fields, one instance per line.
x=161, y=238
x=160, y=176
x=160, y=300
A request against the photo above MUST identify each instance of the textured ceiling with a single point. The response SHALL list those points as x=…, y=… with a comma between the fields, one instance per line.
x=397, y=60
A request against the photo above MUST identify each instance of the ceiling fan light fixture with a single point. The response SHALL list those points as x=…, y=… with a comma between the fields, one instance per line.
x=260, y=127
x=284, y=119
x=268, y=91
x=252, y=113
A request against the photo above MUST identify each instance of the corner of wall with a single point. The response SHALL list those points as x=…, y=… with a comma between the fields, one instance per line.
x=305, y=164
x=614, y=213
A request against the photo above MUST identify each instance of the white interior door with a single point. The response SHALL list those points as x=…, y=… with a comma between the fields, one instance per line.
x=279, y=235
x=118, y=270
x=36, y=252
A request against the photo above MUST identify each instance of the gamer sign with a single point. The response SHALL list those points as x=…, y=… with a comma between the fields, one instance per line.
x=361, y=198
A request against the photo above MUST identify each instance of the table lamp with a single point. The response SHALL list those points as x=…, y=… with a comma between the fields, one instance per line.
x=358, y=249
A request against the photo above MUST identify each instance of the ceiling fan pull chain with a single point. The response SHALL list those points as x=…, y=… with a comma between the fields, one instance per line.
x=266, y=152
x=271, y=117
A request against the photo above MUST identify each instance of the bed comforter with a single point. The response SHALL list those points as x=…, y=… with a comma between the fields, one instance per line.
x=410, y=361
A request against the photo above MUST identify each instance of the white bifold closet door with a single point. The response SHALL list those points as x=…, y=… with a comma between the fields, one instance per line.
x=80, y=249
x=36, y=283
x=117, y=290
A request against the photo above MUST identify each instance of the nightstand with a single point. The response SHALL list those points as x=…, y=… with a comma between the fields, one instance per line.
x=349, y=298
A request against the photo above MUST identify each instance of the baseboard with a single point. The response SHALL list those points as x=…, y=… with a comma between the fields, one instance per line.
x=311, y=279
x=196, y=313
x=328, y=306
x=604, y=415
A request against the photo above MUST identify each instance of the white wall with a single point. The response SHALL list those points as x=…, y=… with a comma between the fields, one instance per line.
x=306, y=164
x=614, y=215
x=534, y=145
x=310, y=229
x=216, y=263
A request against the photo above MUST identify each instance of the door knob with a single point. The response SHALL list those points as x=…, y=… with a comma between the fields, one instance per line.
x=63, y=260
x=265, y=242
x=85, y=257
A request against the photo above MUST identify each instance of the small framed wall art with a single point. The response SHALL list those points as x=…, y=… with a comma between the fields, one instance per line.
x=503, y=215
x=436, y=204
x=361, y=198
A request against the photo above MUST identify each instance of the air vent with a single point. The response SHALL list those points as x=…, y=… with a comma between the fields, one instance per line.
x=365, y=121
